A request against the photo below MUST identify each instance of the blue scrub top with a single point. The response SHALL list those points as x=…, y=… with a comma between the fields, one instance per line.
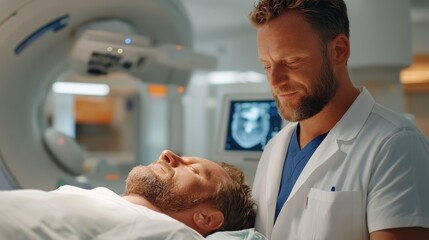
x=295, y=161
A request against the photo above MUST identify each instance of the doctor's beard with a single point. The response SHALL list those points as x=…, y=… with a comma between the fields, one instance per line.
x=162, y=193
x=323, y=90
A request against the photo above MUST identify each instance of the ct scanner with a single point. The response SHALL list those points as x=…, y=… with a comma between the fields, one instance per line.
x=36, y=38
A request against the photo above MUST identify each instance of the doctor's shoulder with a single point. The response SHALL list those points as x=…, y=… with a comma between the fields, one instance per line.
x=385, y=123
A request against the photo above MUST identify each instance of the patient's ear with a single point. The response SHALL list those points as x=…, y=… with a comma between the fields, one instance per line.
x=209, y=220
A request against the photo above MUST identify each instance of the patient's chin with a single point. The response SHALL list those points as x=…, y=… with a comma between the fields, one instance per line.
x=143, y=182
x=161, y=192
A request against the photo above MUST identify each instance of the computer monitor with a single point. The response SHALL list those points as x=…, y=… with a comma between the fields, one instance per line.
x=247, y=123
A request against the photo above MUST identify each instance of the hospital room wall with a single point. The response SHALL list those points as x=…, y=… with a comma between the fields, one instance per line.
x=235, y=48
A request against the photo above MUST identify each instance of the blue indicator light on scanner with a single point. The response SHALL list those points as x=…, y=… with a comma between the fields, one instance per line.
x=128, y=41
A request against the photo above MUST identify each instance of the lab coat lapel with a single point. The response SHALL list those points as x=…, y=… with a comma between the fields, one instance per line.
x=274, y=173
x=319, y=157
x=322, y=154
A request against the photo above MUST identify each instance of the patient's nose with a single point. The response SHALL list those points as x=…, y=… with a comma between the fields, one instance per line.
x=171, y=158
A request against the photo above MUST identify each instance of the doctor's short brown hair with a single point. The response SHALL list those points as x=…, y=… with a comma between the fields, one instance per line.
x=328, y=17
x=234, y=200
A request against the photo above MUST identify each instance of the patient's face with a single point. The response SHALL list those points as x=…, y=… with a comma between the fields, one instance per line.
x=175, y=183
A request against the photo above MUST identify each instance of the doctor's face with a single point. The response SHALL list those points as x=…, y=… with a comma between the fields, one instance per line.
x=298, y=68
x=175, y=183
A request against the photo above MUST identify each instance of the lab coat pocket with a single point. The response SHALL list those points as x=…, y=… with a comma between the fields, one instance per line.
x=333, y=215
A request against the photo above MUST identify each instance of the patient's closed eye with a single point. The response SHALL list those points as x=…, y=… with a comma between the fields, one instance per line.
x=193, y=169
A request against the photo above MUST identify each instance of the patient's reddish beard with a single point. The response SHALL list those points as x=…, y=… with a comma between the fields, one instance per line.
x=162, y=193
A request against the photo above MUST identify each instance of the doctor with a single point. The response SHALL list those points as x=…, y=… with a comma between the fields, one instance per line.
x=346, y=167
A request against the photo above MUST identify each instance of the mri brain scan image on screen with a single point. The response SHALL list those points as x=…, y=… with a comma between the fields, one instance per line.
x=251, y=125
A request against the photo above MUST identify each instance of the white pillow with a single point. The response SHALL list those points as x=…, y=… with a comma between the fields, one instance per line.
x=246, y=234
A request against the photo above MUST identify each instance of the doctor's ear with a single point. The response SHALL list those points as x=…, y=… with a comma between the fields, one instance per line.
x=209, y=220
x=340, y=49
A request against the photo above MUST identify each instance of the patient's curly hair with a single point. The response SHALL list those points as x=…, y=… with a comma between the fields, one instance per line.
x=328, y=17
x=234, y=200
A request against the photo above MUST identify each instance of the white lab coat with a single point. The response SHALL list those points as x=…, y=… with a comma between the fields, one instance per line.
x=75, y=213
x=378, y=163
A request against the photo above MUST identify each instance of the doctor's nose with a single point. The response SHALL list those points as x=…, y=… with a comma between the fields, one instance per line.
x=171, y=158
x=277, y=76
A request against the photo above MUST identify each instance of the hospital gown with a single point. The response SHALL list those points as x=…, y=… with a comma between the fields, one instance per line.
x=75, y=213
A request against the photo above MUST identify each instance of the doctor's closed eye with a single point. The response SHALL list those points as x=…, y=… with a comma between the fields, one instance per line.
x=293, y=62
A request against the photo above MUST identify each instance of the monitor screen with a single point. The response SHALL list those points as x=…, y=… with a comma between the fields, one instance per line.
x=251, y=123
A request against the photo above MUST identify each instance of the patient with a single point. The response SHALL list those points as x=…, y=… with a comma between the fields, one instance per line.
x=199, y=196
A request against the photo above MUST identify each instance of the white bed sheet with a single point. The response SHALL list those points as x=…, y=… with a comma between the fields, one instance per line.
x=66, y=213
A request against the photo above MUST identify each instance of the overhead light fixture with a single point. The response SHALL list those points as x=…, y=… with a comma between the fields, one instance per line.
x=231, y=77
x=95, y=89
